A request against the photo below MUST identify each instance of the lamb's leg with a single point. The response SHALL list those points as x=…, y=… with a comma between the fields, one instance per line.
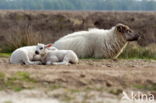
x=48, y=63
x=65, y=61
x=60, y=63
x=28, y=62
x=51, y=59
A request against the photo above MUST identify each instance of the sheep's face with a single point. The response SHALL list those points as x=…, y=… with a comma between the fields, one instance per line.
x=41, y=49
x=128, y=33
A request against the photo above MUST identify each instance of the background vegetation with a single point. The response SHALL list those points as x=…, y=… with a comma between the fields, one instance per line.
x=21, y=28
x=145, y=5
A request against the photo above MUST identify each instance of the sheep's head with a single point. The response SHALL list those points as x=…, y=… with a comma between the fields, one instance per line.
x=128, y=33
x=41, y=49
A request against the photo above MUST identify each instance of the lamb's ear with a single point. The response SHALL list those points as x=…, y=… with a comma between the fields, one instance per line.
x=120, y=28
x=48, y=45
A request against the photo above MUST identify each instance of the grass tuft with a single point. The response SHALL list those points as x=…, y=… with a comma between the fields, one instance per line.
x=134, y=51
x=19, y=38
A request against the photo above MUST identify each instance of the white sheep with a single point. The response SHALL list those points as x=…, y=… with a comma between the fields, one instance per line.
x=98, y=43
x=53, y=56
x=25, y=55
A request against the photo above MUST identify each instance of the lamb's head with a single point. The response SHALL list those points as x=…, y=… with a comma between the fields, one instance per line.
x=42, y=49
x=126, y=32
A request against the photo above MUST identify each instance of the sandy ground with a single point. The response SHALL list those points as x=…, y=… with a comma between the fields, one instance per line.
x=90, y=81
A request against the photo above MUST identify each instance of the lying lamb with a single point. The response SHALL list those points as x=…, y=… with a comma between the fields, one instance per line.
x=98, y=43
x=25, y=55
x=51, y=55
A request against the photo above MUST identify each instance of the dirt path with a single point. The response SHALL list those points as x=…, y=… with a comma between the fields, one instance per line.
x=90, y=81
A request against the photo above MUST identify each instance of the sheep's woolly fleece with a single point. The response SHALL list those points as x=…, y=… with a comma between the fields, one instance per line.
x=96, y=43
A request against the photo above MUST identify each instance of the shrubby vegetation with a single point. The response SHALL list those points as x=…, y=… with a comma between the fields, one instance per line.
x=78, y=4
x=134, y=51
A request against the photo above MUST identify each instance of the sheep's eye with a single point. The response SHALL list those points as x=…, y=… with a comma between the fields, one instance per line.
x=41, y=48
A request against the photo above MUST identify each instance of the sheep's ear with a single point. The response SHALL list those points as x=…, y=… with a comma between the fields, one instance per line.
x=48, y=45
x=121, y=28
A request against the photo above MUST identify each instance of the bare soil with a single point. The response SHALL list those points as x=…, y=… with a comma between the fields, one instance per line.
x=90, y=81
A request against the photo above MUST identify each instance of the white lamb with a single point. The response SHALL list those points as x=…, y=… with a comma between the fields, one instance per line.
x=51, y=55
x=25, y=55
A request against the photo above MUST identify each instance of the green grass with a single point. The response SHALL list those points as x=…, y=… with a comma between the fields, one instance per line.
x=7, y=102
x=54, y=86
x=138, y=54
x=116, y=91
x=149, y=87
x=5, y=54
x=23, y=76
x=2, y=75
x=134, y=51
x=16, y=81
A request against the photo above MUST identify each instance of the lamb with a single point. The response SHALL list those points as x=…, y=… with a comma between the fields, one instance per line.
x=98, y=43
x=51, y=55
x=25, y=55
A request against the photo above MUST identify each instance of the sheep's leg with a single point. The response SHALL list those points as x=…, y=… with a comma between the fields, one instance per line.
x=65, y=61
x=51, y=59
x=37, y=62
x=60, y=63
x=48, y=63
x=28, y=62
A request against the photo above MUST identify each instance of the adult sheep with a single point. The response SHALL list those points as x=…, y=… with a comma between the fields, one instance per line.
x=98, y=43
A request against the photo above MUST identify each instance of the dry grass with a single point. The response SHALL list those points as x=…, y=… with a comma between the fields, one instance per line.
x=18, y=38
x=133, y=50
x=20, y=28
